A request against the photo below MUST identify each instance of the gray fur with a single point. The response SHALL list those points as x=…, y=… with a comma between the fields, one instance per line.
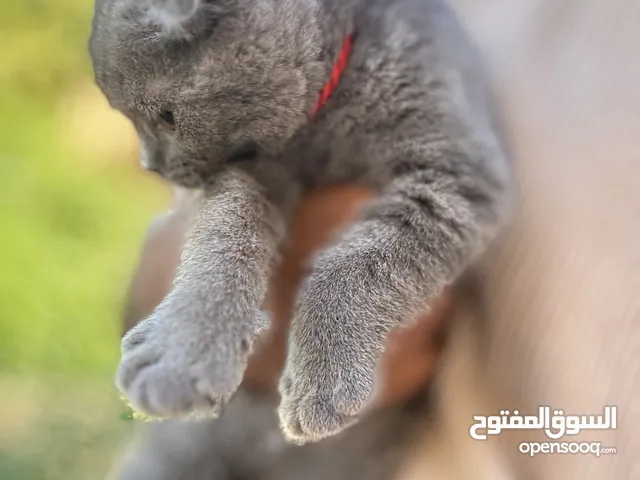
x=246, y=443
x=412, y=117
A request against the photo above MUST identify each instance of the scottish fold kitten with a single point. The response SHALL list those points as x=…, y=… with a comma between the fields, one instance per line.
x=224, y=96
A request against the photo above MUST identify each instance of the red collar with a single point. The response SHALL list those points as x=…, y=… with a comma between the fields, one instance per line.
x=336, y=73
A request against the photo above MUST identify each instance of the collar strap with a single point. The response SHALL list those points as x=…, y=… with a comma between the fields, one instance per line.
x=337, y=71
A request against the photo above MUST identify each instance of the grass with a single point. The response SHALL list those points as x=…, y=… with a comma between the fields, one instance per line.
x=73, y=208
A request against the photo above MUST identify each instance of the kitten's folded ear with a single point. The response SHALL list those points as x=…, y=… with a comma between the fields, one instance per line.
x=172, y=14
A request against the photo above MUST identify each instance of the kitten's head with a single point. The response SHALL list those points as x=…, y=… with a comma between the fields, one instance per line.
x=205, y=82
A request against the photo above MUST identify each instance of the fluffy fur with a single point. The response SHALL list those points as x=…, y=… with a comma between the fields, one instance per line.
x=220, y=96
x=246, y=443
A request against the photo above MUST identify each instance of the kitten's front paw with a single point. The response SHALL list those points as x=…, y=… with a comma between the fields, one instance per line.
x=335, y=340
x=320, y=399
x=329, y=376
x=173, y=366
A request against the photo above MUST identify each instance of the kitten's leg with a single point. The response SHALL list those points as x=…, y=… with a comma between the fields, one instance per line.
x=241, y=443
x=434, y=217
x=190, y=354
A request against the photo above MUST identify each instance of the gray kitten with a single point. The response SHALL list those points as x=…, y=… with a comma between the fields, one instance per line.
x=220, y=93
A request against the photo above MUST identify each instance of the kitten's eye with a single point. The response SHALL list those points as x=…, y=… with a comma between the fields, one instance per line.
x=167, y=117
x=246, y=152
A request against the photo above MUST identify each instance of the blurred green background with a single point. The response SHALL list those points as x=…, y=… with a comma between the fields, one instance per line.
x=73, y=208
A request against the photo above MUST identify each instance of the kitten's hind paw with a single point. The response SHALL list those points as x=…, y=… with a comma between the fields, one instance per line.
x=170, y=368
